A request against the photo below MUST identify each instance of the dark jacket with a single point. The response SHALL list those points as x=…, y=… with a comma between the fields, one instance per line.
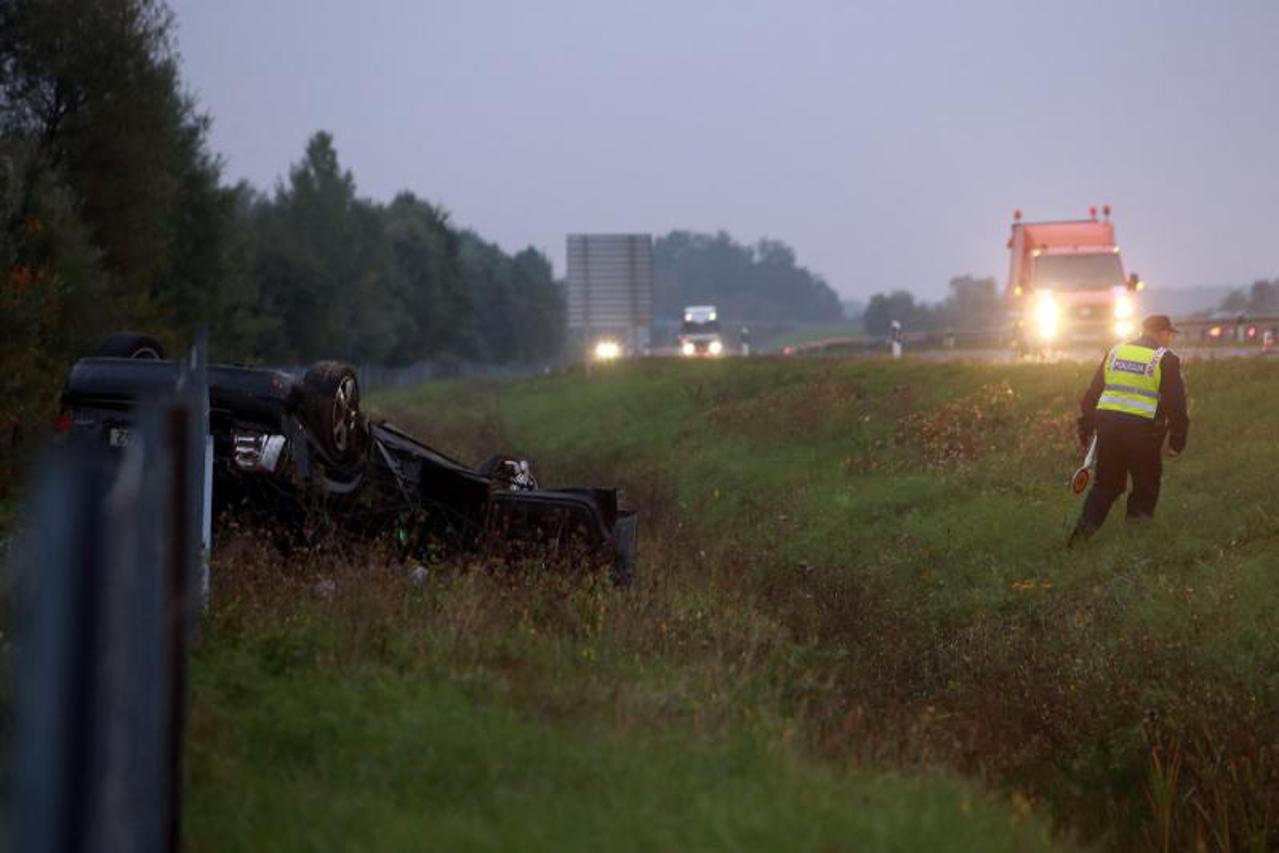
x=1170, y=416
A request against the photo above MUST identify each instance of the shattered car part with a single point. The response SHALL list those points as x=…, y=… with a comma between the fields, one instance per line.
x=292, y=452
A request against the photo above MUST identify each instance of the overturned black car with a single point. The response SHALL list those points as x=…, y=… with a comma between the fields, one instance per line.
x=296, y=454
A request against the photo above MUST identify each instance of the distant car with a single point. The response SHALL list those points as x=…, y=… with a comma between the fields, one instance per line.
x=293, y=453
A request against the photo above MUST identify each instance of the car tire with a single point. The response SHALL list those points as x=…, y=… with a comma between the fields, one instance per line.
x=130, y=345
x=331, y=411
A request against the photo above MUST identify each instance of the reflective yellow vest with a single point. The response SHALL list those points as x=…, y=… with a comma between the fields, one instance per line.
x=1132, y=380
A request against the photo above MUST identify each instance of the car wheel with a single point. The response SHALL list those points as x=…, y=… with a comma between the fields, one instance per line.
x=331, y=408
x=130, y=345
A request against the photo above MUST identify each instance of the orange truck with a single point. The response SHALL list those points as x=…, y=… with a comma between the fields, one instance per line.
x=1066, y=284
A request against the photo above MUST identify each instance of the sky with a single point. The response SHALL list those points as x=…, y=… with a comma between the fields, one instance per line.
x=887, y=142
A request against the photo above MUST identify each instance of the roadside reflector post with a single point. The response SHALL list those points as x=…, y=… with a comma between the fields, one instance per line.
x=897, y=339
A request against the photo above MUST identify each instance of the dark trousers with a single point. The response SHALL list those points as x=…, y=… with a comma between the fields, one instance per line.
x=1125, y=445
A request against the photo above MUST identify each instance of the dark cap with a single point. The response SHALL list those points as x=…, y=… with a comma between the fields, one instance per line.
x=1158, y=323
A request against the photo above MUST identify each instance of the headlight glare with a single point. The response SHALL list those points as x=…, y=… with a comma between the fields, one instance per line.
x=1047, y=315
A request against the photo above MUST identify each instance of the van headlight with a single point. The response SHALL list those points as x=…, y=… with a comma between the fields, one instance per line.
x=1047, y=315
x=688, y=348
x=715, y=347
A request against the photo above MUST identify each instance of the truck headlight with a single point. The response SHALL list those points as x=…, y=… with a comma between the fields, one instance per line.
x=688, y=348
x=715, y=347
x=1047, y=315
x=1124, y=328
x=1124, y=308
x=607, y=350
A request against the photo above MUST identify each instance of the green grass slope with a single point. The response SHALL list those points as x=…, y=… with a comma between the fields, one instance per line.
x=849, y=329
x=413, y=758
x=337, y=707
x=853, y=579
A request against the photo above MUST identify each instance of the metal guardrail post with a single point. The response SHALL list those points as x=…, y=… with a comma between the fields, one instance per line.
x=197, y=493
x=94, y=768
x=60, y=564
x=105, y=606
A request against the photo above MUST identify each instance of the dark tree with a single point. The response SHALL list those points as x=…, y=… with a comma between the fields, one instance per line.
x=973, y=303
x=427, y=279
x=747, y=283
x=93, y=85
x=898, y=306
x=345, y=277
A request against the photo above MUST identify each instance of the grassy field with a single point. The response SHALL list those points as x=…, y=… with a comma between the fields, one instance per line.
x=857, y=628
x=849, y=329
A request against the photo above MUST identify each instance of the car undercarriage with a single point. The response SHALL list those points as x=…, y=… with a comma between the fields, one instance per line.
x=296, y=455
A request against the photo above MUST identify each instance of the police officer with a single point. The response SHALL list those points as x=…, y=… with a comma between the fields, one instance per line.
x=1137, y=396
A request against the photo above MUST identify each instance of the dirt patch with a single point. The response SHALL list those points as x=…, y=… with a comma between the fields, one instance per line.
x=991, y=419
x=962, y=430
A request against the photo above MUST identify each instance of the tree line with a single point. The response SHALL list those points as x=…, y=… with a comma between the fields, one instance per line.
x=114, y=214
x=747, y=283
x=1260, y=300
x=972, y=304
x=334, y=275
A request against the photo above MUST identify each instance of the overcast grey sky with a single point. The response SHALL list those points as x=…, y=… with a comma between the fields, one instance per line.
x=887, y=142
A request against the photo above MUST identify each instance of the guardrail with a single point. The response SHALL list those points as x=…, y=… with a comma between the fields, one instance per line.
x=110, y=571
x=959, y=339
x=1195, y=332
x=1239, y=329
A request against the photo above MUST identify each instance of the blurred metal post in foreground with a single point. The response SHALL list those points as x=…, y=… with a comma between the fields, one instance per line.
x=193, y=402
x=104, y=612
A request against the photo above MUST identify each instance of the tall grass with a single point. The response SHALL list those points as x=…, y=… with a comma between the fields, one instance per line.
x=338, y=705
x=858, y=567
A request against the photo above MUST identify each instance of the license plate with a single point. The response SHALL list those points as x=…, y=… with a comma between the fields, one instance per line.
x=119, y=436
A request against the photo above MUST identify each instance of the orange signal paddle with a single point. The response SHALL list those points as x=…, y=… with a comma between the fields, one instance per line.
x=1080, y=479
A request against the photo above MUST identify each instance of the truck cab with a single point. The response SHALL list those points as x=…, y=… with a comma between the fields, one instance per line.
x=1066, y=284
x=699, y=333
